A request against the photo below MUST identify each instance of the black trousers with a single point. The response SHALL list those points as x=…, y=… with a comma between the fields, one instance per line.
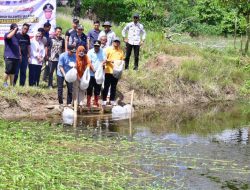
x=95, y=86
x=110, y=81
x=52, y=68
x=22, y=67
x=46, y=72
x=34, y=74
x=60, y=81
x=129, y=48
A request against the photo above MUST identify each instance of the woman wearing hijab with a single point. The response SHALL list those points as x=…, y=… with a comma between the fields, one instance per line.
x=37, y=51
x=82, y=62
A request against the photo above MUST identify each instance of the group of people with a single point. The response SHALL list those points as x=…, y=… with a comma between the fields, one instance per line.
x=78, y=50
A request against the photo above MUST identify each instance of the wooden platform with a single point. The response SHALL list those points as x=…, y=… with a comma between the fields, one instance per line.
x=85, y=110
x=95, y=110
x=107, y=109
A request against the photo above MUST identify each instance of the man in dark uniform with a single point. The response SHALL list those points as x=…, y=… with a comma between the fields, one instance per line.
x=47, y=27
x=48, y=10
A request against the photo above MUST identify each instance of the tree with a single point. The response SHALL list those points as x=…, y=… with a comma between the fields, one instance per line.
x=243, y=8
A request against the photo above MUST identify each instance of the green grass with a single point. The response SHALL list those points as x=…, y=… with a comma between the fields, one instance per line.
x=211, y=64
x=43, y=157
x=211, y=70
x=37, y=155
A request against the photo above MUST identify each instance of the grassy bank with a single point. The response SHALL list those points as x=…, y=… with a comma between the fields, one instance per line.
x=184, y=71
x=190, y=70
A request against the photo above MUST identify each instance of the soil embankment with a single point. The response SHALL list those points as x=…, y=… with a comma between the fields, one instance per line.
x=176, y=92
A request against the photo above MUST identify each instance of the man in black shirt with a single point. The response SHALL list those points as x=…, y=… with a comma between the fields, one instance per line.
x=71, y=31
x=24, y=43
x=46, y=27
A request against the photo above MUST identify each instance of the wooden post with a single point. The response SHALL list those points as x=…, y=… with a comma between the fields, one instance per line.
x=75, y=112
x=132, y=98
x=130, y=128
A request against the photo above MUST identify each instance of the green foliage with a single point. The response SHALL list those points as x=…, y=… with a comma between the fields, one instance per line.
x=204, y=17
x=152, y=12
x=193, y=16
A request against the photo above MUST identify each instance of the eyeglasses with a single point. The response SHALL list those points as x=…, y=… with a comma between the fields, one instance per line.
x=136, y=17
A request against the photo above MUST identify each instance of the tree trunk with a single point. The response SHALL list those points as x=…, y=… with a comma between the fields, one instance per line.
x=241, y=43
x=235, y=31
x=247, y=33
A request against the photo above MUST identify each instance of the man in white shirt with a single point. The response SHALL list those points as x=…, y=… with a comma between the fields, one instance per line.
x=133, y=41
x=107, y=32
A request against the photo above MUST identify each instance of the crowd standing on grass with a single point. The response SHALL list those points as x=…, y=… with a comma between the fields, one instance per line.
x=99, y=53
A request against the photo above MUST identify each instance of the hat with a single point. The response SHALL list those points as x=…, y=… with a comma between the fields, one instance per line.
x=79, y=26
x=136, y=15
x=107, y=23
x=97, y=43
x=116, y=39
x=13, y=26
x=71, y=48
x=76, y=21
x=48, y=7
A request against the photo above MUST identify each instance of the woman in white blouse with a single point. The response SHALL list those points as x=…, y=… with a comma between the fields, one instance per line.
x=37, y=55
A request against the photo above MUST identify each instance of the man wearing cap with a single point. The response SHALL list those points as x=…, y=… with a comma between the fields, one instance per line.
x=24, y=43
x=66, y=60
x=48, y=11
x=135, y=30
x=113, y=53
x=78, y=39
x=71, y=32
x=107, y=32
x=93, y=34
x=12, y=54
x=97, y=58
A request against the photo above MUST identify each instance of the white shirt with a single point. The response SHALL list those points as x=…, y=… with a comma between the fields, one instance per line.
x=110, y=37
x=36, y=49
x=134, y=33
x=104, y=46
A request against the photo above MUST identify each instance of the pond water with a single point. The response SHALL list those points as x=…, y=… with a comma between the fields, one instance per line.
x=199, y=147
x=185, y=147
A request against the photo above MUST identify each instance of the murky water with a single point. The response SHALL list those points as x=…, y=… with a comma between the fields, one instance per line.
x=194, y=147
x=205, y=147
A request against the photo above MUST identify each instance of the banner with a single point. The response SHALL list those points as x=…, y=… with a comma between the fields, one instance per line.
x=33, y=12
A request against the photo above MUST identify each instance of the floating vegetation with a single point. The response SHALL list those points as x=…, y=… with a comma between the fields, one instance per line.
x=37, y=155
